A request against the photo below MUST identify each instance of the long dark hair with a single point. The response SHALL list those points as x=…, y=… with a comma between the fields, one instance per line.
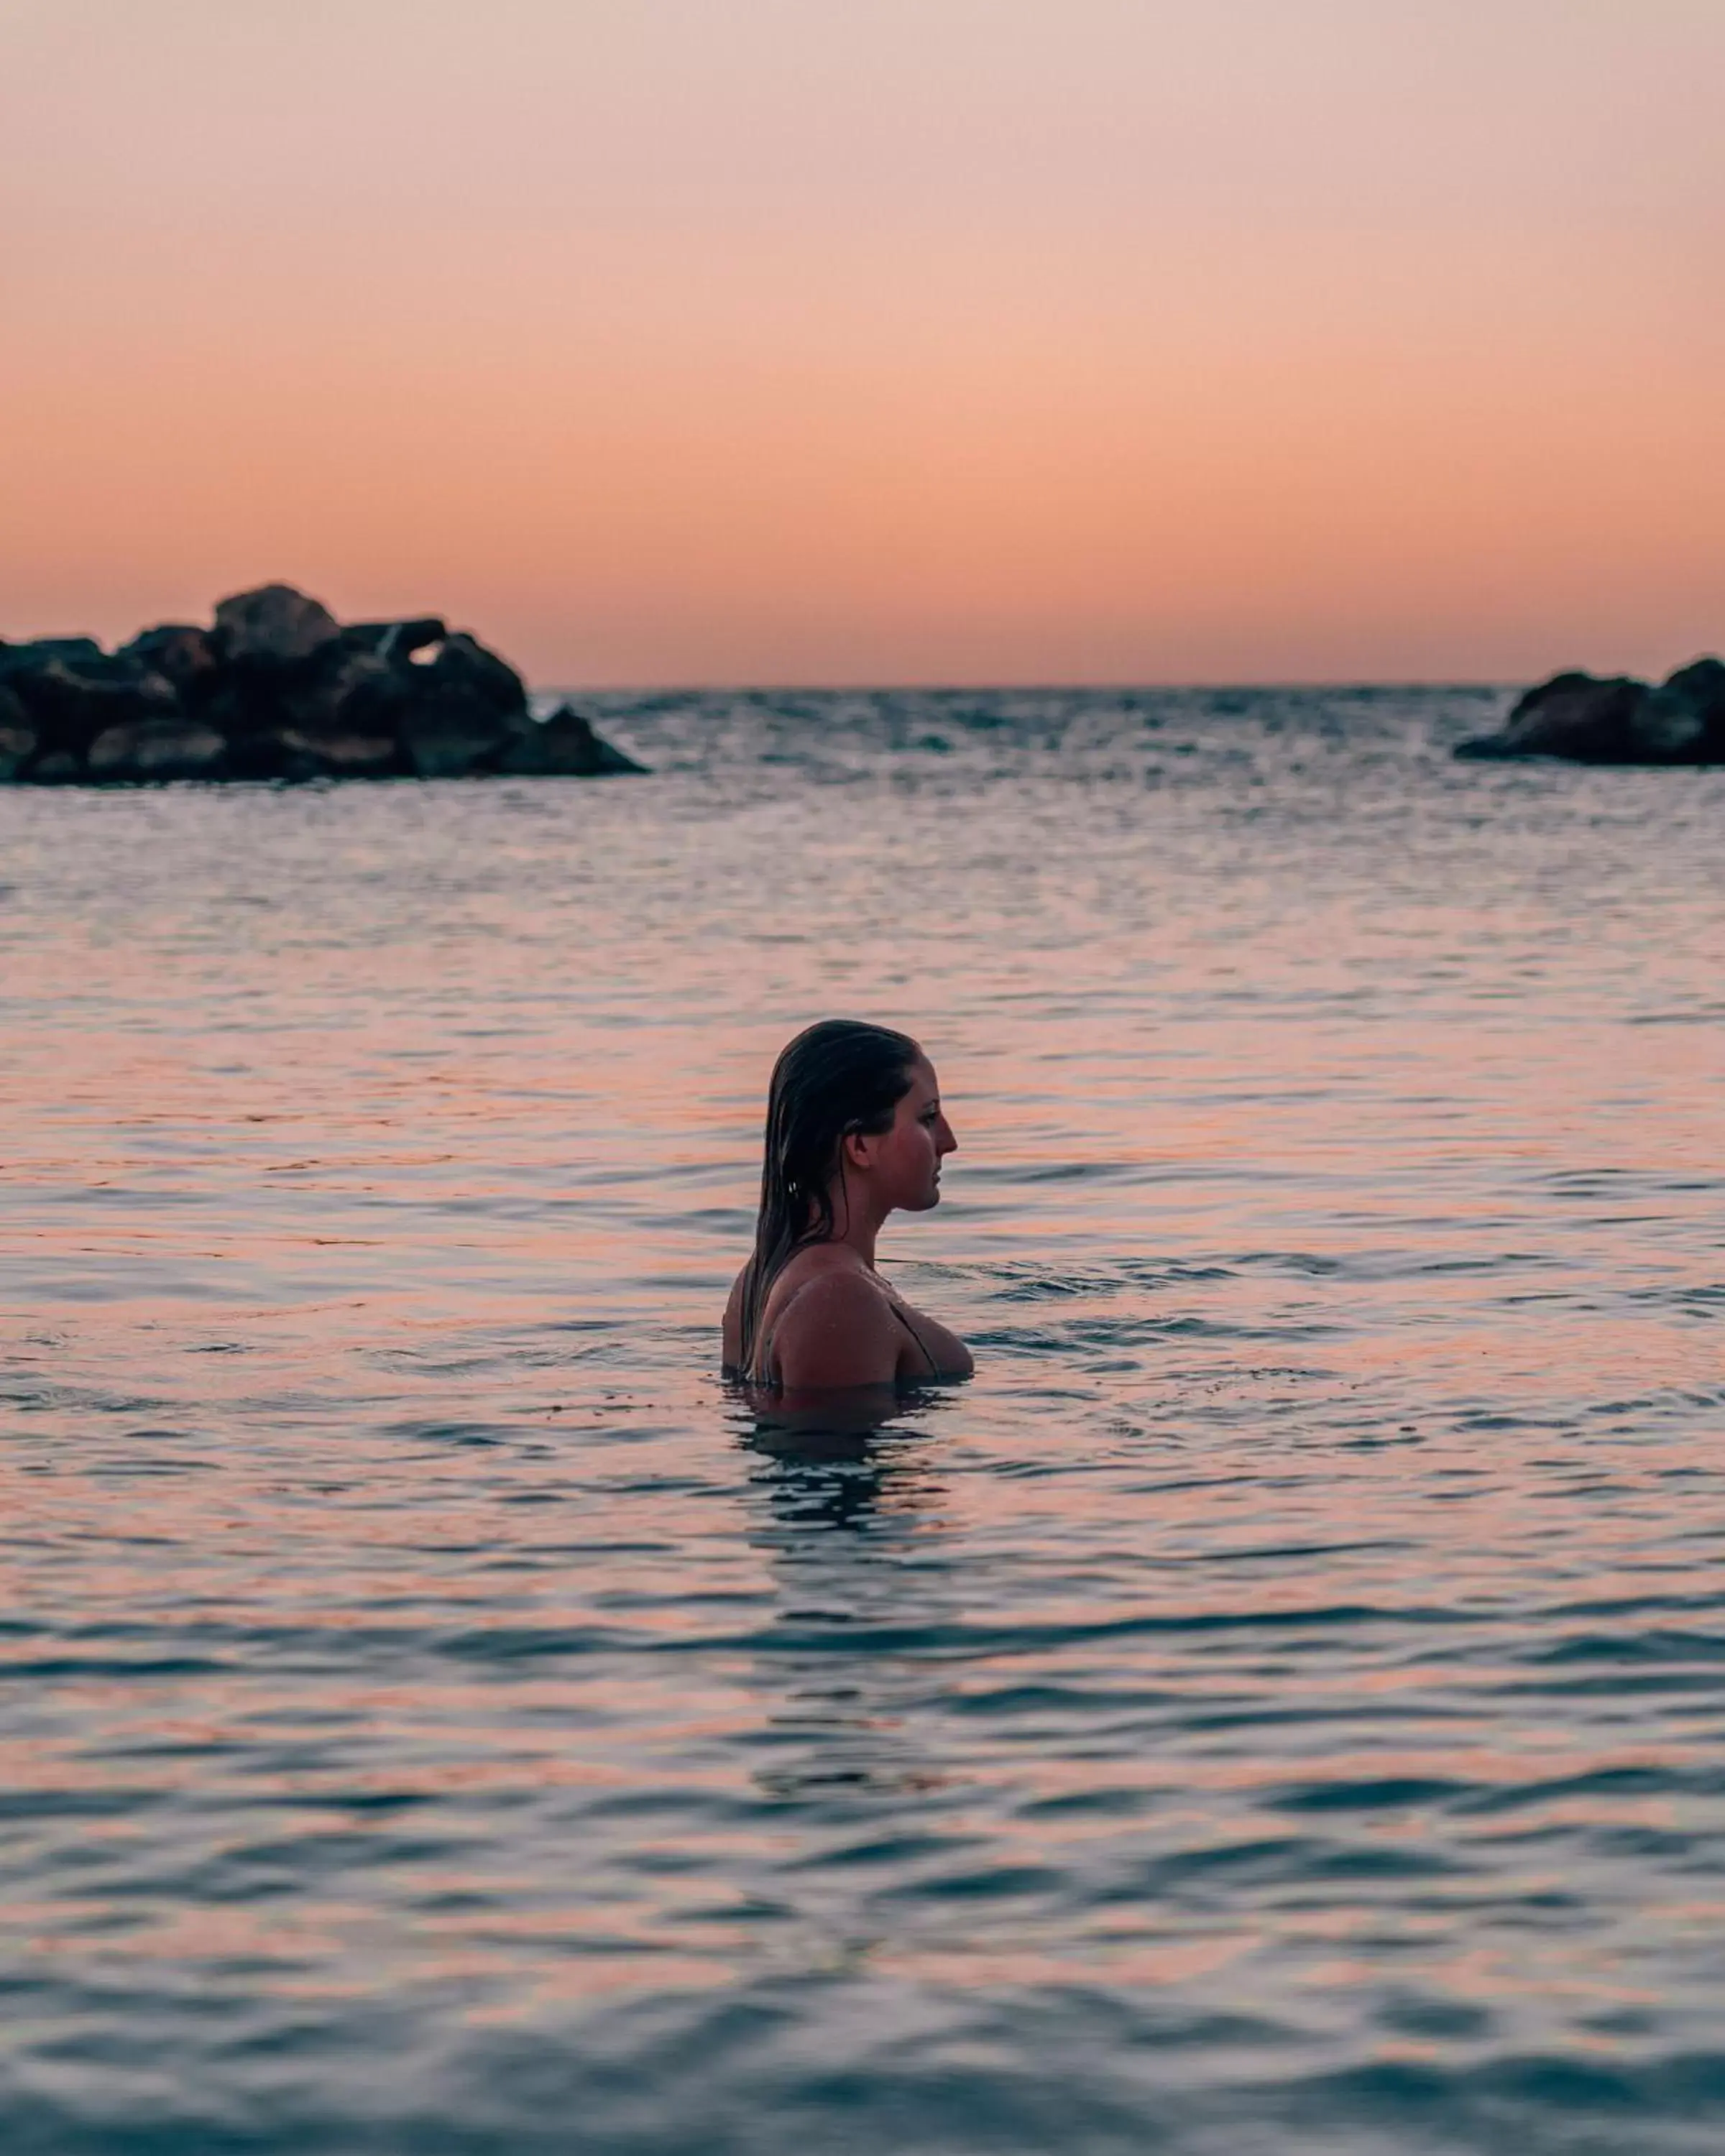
x=838, y=1076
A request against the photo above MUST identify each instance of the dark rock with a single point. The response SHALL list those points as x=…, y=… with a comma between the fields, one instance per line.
x=461, y=664
x=454, y=706
x=275, y=753
x=27, y=658
x=565, y=747
x=1683, y=721
x=71, y=697
x=367, y=688
x=259, y=694
x=415, y=684
x=443, y=706
x=17, y=737
x=453, y=734
x=274, y=623
x=298, y=754
x=277, y=690
x=239, y=709
x=277, y=652
x=1591, y=721
x=183, y=656
x=306, y=693
x=348, y=756
x=1572, y=714
x=154, y=751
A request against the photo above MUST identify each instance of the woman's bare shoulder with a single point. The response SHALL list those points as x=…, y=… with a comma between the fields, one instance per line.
x=824, y=1283
x=834, y=1327
x=827, y=1273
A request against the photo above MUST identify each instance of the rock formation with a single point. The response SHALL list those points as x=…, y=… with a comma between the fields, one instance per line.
x=1618, y=720
x=277, y=688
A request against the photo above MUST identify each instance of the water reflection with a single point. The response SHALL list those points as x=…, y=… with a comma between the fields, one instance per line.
x=851, y=1524
x=825, y=1478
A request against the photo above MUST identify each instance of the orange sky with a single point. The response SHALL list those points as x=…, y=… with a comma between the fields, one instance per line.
x=911, y=339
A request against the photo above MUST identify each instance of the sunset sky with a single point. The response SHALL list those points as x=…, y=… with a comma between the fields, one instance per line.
x=825, y=341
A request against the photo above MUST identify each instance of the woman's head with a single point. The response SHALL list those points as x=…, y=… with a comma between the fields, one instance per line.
x=837, y=1079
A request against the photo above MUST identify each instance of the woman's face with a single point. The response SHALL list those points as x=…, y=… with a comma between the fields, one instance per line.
x=906, y=1160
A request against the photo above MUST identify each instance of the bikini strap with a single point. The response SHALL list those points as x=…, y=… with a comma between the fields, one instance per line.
x=934, y=1368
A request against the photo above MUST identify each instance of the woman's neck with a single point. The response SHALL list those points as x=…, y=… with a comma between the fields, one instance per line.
x=857, y=1223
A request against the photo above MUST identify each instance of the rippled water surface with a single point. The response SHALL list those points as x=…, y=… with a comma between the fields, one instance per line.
x=1278, y=1706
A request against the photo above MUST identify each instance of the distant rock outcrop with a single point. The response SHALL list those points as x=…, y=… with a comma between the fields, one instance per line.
x=1592, y=721
x=565, y=743
x=274, y=623
x=277, y=688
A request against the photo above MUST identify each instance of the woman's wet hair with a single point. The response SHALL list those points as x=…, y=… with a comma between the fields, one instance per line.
x=838, y=1076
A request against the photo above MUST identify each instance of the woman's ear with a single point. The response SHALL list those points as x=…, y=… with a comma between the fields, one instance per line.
x=857, y=1148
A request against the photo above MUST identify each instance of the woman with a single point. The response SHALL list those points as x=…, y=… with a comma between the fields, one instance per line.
x=855, y=1131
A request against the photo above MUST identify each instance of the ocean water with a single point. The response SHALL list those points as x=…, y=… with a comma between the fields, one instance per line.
x=1278, y=1707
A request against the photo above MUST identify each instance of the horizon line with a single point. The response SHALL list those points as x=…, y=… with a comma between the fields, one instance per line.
x=985, y=688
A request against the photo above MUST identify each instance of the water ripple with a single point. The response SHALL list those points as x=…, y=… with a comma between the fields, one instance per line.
x=1273, y=1708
